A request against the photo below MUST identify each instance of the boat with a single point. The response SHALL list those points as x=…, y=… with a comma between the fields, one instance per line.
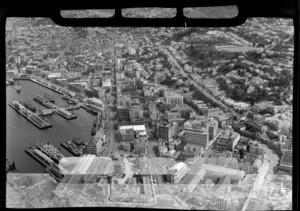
x=55, y=172
x=91, y=111
x=71, y=102
x=49, y=98
x=95, y=122
x=79, y=141
x=29, y=106
x=51, y=151
x=10, y=166
x=76, y=146
x=65, y=97
x=9, y=81
x=18, y=89
x=39, y=156
x=93, y=132
x=70, y=147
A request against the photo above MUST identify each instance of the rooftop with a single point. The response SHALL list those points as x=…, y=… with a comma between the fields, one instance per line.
x=133, y=127
x=178, y=166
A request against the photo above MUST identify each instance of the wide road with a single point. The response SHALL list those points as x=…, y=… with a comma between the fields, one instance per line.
x=110, y=113
x=110, y=133
x=269, y=163
x=196, y=85
x=194, y=170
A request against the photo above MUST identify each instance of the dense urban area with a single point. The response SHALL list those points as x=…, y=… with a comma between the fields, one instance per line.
x=185, y=118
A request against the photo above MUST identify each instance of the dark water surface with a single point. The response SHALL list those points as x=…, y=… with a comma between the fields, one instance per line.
x=20, y=133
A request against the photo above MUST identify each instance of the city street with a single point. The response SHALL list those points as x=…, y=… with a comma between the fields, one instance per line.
x=269, y=163
x=196, y=85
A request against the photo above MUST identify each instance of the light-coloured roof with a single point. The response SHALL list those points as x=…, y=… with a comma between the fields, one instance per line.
x=133, y=127
x=95, y=100
x=178, y=166
x=222, y=170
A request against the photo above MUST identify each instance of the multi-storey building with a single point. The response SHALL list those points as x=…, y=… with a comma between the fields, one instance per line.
x=200, y=131
x=177, y=172
x=173, y=98
x=135, y=113
x=227, y=140
x=129, y=132
x=123, y=113
x=196, y=137
x=172, y=115
x=95, y=102
x=167, y=131
x=256, y=149
x=212, y=128
x=91, y=148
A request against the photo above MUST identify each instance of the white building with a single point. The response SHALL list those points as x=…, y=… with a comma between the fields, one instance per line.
x=177, y=172
x=174, y=98
x=129, y=131
x=54, y=75
x=11, y=73
x=95, y=102
x=106, y=83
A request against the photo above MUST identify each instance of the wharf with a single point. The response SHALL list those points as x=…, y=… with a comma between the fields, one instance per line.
x=31, y=117
x=41, y=100
x=60, y=111
x=21, y=78
x=48, y=85
x=45, y=160
x=65, y=114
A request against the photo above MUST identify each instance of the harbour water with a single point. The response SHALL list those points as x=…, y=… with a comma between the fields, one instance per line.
x=20, y=133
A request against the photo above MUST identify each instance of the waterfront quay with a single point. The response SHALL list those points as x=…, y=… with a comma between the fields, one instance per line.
x=30, y=116
x=48, y=85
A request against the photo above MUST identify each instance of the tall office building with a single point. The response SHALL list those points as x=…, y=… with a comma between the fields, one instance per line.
x=167, y=131
x=173, y=98
x=177, y=172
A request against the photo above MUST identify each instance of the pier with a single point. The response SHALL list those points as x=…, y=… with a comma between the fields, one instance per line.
x=48, y=85
x=30, y=116
x=39, y=156
x=60, y=111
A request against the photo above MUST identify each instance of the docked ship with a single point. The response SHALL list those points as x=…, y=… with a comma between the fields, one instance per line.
x=30, y=116
x=66, y=114
x=91, y=111
x=18, y=89
x=49, y=98
x=76, y=146
x=71, y=102
x=55, y=172
x=95, y=122
x=93, y=132
x=41, y=157
x=29, y=106
x=69, y=99
x=65, y=97
x=10, y=166
x=10, y=80
x=50, y=151
x=79, y=141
